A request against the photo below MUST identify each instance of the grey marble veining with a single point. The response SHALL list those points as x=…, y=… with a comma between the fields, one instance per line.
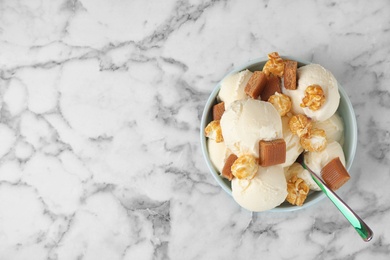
x=100, y=107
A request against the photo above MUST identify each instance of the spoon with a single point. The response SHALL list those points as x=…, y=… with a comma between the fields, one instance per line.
x=360, y=226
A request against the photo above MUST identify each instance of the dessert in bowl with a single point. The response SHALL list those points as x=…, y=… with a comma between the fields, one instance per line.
x=261, y=117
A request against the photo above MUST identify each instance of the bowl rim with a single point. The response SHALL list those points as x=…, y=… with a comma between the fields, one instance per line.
x=211, y=100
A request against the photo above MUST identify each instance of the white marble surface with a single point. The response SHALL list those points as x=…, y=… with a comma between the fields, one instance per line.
x=100, y=105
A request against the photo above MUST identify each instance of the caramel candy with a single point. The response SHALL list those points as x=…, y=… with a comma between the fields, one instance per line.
x=290, y=74
x=218, y=110
x=256, y=84
x=272, y=152
x=227, y=168
x=272, y=86
x=335, y=174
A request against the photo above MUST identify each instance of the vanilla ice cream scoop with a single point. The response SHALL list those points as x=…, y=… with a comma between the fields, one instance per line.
x=333, y=127
x=314, y=74
x=293, y=145
x=317, y=160
x=248, y=121
x=218, y=153
x=267, y=190
x=233, y=87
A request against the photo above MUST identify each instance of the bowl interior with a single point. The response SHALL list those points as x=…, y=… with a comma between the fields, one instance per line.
x=345, y=110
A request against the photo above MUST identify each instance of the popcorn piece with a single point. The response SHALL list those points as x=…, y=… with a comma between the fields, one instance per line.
x=297, y=191
x=272, y=152
x=218, y=110
x=256, y=84
x=213, y=131
x=281, y=102
x=300, y=124
x=272, y=87
x=227, y=168
x=245, y=167
x=335, y=174
x=290, y=74
x=274, y=65
x=314, y=140
x=314, y=97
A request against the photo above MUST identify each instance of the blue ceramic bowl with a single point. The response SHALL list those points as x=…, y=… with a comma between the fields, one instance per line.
x=345, y=110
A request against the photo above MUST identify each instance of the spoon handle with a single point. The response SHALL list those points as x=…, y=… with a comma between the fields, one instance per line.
x=360, y=226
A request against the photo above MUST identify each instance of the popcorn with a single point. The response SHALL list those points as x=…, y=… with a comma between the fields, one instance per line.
x=314, y=140
x=314, y=97
x=274, y=65
x=300, y=125
x=297, y=191
x=213, y=131
x=281, y=102
x=245, y=167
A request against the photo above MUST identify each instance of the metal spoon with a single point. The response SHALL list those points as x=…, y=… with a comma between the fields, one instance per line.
x=360, y=226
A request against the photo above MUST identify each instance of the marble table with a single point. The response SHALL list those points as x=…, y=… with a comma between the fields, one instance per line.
x=100, y=106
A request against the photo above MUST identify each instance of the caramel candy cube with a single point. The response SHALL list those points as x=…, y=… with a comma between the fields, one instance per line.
x=290, y=74
x=218, y=110
x=272, y=86
x=335, y=174
x=272, y=152
x=256, y=84
x=227, y=168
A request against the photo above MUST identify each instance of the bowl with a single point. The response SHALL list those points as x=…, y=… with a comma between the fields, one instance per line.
x=345, y=110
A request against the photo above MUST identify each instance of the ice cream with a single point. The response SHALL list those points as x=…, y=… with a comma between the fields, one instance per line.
x=218, y=153
x=317, y=160
x=314, y=74
x=333, y=127
x=248, y=121
x=265, y=191
x=300, y=172
x=233, y=87
x=293, y=146
x=254, y=143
